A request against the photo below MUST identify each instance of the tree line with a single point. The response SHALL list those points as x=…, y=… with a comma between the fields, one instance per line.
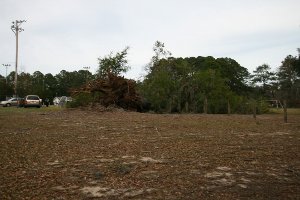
x=192, y=84
x=216, y=85
x=44, y=85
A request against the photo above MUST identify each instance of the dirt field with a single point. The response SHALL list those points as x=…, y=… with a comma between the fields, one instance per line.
x=75, y=154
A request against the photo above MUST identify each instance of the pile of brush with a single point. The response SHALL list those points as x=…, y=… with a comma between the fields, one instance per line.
x=113, y=90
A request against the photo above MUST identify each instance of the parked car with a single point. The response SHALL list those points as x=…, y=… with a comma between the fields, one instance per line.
x=10, y=102
x=32, y=101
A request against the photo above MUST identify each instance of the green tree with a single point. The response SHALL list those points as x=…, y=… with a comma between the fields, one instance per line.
x=50, y=85
x=113, y=63
x=158, y=85
x=25, y=86
x=157, y=90
x=9, y=88
x=289, y=79
x=186, y=84
x=263, y=75
x=77, y=78
x=63, y=80
x=6, y=88
x=264, y=79
x=211, y=88
x=66, y=81
x=297, y=64
x=236, y=76
x=38, y=84
x=84, y=76
x=159, y=52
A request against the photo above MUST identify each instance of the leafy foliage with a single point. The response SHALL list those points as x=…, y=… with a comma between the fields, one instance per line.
x=297, y=64
x=185, y=84
x=264, y=81
x=115, y=64
x=289, y=80
x=191, y=84
x=81, y=99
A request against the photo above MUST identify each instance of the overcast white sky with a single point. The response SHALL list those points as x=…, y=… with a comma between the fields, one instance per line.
x=72, y=34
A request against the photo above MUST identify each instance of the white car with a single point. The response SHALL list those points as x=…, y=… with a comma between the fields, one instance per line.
x=10, y=102
x=32, y=101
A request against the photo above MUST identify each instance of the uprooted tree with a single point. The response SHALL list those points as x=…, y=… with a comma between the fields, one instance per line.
x=113, y=90
x=109, y=88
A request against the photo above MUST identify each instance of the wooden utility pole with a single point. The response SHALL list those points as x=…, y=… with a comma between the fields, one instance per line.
x=254, y=109
x=205, y=105
x=284, y=111
x=16, y=29
x=228, y=108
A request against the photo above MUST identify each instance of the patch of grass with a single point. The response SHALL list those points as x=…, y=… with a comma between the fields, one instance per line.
x=16, y=110
x=291, y=111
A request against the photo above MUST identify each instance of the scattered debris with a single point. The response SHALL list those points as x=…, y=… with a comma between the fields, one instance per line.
x=118, y=156
x=224, y=168
x=56, y=162
x=242, y=186
x=149, y=174
x=105, y=160
x=109, y=192
x=128, y=157
x=150, y=160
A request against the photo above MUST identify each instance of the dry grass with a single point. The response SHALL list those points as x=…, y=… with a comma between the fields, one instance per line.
x=76, y=154
x=290, y=111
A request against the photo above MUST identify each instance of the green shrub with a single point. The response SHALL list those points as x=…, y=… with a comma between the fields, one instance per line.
x=81, y=99
x=262, y=107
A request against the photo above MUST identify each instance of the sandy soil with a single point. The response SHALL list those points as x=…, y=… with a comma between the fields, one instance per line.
x=76, y=154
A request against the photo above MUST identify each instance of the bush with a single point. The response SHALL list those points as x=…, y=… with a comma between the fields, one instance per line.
x=262, y=107
x=81, y=99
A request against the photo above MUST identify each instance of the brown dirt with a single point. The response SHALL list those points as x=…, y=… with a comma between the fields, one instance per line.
x=75, y=154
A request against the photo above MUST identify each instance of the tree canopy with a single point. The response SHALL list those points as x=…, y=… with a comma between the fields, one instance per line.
x=176, y=84
x=113, y=63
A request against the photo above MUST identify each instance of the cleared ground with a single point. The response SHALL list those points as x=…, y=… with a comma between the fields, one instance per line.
x=75, y=154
